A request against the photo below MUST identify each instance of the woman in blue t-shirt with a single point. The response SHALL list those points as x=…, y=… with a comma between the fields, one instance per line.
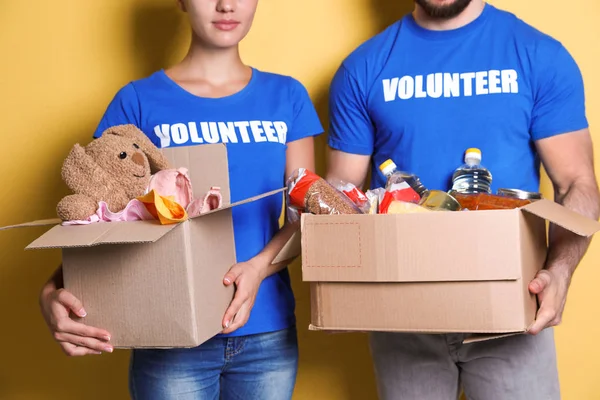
x=268, y=123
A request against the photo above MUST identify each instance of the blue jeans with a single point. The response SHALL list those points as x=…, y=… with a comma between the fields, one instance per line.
x=261, y=366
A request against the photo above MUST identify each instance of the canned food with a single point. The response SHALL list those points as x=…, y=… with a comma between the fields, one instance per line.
x=519, y=194
x=439, y=201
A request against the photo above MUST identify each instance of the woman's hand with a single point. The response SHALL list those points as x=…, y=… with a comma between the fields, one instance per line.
x=247, y=277
x=75, y=339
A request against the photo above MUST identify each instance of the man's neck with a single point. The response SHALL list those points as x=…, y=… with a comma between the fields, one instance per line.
x=469, y=14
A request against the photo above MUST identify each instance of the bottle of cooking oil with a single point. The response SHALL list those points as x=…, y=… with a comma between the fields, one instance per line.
x=472, y=177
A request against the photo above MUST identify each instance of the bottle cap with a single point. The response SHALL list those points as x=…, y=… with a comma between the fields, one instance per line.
x=473, y=154
x=387, y=167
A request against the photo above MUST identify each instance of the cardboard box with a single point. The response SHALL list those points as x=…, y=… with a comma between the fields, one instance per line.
x=436, y=272
x=152, y=285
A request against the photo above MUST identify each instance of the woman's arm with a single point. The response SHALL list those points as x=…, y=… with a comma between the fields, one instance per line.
x=248, y=275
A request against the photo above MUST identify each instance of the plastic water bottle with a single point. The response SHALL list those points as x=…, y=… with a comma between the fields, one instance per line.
x=472, y=177
x=389, y=169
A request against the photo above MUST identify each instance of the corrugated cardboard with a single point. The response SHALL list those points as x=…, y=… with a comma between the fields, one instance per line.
x=435, y=272
x=153, y=285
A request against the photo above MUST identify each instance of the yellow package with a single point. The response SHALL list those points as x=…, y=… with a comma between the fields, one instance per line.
x=402, y=207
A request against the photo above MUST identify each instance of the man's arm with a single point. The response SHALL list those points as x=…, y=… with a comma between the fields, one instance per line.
x=568, y=160
x=349, y=167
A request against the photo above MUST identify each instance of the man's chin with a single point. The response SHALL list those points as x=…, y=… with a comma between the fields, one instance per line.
x=443, y=9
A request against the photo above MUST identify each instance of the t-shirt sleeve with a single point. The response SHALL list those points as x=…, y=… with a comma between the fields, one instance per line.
x=559, y=98
x=123, y=109
x=350, y=127
x=305, y=121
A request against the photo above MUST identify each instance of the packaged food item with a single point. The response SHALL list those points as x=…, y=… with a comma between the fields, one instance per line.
x=357, y=196
x=396, y=187
x=396, y=194
x=486, y=201
x=308, y=192
x=388, y=168
x=398, y=190
x=505, y=199
x=519, y=194
x=403, y=207
x=437, y=200
x=472, y=177
x=375, y=196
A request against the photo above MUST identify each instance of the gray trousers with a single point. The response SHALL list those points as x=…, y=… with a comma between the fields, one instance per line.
x=434, y=367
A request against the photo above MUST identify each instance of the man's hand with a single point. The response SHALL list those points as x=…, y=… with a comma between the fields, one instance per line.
x=551, y=288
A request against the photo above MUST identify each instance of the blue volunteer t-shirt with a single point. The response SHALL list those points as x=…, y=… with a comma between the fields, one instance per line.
x=256, y=123
x=423, y=97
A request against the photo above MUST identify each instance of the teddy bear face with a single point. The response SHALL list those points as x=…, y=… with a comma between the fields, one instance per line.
x=122, y=159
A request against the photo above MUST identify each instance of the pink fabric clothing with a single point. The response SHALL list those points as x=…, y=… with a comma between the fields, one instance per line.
x=168, y=182
x=135, y=210
x=211, y=201
x=173, y=182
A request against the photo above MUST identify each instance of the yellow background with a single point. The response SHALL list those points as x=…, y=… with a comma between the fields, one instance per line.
x=63, y=60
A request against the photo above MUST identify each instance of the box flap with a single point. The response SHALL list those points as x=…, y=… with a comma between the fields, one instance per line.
x=66, y=236
x=562, y=216
x=41, y=222
x=480, y=337
x=62, y=236
x=211, y=158
x=291, y=249
x=241, y=202
x=534, y=252
x=474, y=338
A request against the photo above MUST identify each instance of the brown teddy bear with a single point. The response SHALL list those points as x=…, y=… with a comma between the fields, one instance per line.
x=114, y=168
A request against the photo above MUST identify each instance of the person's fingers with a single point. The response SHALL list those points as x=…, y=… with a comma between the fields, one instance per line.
x=233, y=274
x=542, y=280
x=67, y=325
x=545, y=316
x=239, y=319
x=548, y=312
x=71, y=302
x=76, y=351
x=82, y=341
x=239, y=299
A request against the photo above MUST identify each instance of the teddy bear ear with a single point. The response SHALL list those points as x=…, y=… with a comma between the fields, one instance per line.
x=78, y=169
x=157, y=160
x=128, y=131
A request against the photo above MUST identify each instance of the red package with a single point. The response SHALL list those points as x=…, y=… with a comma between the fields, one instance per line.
x=308, y=192
x=298, y=186
x=357, y=196
x=398, y=191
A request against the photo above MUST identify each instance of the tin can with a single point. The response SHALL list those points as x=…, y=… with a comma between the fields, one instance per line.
x=439, y=201
x=519, y=194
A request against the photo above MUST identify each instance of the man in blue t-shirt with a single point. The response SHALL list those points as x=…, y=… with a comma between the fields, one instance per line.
x=452, y=75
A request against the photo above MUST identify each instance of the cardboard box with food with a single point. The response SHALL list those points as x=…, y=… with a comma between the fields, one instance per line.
x=419, y=260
